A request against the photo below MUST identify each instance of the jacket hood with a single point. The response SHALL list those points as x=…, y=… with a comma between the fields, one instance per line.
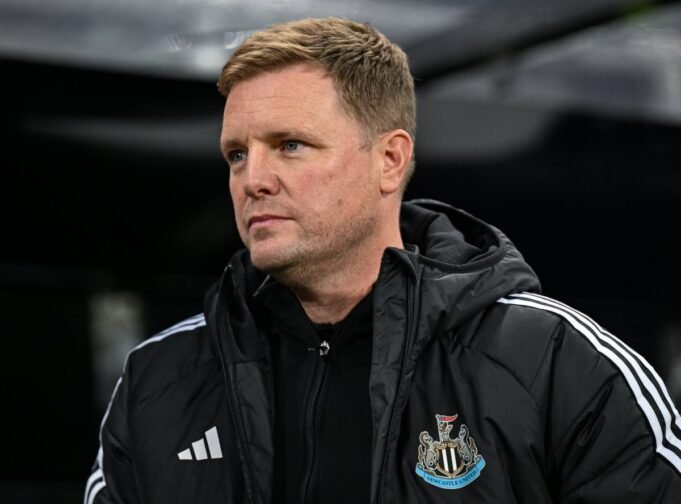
x=463, y=264
x=446, y=234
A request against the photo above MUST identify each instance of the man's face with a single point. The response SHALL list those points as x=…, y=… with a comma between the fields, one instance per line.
x=304, y=186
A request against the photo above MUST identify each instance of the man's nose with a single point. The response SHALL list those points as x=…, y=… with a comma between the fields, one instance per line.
x=261, y=177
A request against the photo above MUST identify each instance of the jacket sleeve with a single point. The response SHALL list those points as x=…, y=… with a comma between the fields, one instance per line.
x=613, y=432
x=112, y=480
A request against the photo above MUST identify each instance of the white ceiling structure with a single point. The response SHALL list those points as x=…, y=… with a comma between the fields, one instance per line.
x=630, y=67
x=190, y=38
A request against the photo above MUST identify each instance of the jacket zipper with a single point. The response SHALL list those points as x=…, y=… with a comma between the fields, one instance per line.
x=231, y=402
x=400, y=384
x=319, y=372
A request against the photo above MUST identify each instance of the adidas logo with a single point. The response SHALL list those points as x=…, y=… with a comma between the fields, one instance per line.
x=199, y=447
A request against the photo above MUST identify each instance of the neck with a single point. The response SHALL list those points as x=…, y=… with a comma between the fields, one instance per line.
x=329, y=296
x=332, y=307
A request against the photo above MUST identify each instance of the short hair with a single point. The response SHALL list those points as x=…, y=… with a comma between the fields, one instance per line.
x=370, y=73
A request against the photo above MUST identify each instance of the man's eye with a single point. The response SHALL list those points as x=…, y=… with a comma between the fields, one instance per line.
x=292, y=145
x=236, y=156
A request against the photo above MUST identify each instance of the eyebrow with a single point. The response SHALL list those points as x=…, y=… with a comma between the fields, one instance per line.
x=229, y=144
x=283, y=135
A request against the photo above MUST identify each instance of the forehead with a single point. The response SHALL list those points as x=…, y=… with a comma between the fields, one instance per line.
x=284, y=81
x=300, y=96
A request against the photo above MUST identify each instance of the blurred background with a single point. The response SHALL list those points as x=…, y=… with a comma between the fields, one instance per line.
x=559, y=122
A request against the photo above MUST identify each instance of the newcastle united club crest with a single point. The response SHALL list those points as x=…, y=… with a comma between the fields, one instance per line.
x=449, y=463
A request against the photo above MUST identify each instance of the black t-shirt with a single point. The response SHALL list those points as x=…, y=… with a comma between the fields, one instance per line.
x=322, y=416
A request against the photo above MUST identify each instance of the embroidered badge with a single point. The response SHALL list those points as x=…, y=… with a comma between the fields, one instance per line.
x=449, y=463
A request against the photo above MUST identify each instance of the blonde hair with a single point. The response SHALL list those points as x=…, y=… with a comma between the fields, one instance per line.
x=370, y=73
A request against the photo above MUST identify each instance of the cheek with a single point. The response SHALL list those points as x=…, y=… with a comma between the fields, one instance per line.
x=236, y=193
x=311, y=189
x=238, y=201
x=231, y=183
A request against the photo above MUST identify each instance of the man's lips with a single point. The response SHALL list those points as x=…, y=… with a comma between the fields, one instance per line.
x=264, y=220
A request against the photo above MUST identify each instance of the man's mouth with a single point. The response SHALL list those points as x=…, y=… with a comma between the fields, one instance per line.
x=259, y=221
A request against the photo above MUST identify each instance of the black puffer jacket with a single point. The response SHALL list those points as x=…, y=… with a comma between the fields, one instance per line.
x=481, y=392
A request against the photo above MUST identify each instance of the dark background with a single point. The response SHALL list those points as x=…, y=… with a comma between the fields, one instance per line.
x=113, y=185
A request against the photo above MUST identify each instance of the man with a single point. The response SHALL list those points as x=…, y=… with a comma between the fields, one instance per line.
x=365, y=350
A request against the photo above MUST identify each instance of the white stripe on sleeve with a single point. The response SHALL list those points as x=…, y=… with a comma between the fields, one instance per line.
x=95, y=477
x=617, y=355
x=186, y=325
x=95, y=490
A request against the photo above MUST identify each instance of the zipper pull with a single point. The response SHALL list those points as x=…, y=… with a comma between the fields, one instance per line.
x=323, y=348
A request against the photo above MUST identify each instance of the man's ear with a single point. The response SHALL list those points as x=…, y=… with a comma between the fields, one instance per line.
x=395, y=150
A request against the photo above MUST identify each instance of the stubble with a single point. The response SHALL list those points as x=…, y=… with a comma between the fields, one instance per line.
x=322, y=252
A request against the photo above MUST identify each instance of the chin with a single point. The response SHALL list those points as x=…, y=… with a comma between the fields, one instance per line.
x=270, y=261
